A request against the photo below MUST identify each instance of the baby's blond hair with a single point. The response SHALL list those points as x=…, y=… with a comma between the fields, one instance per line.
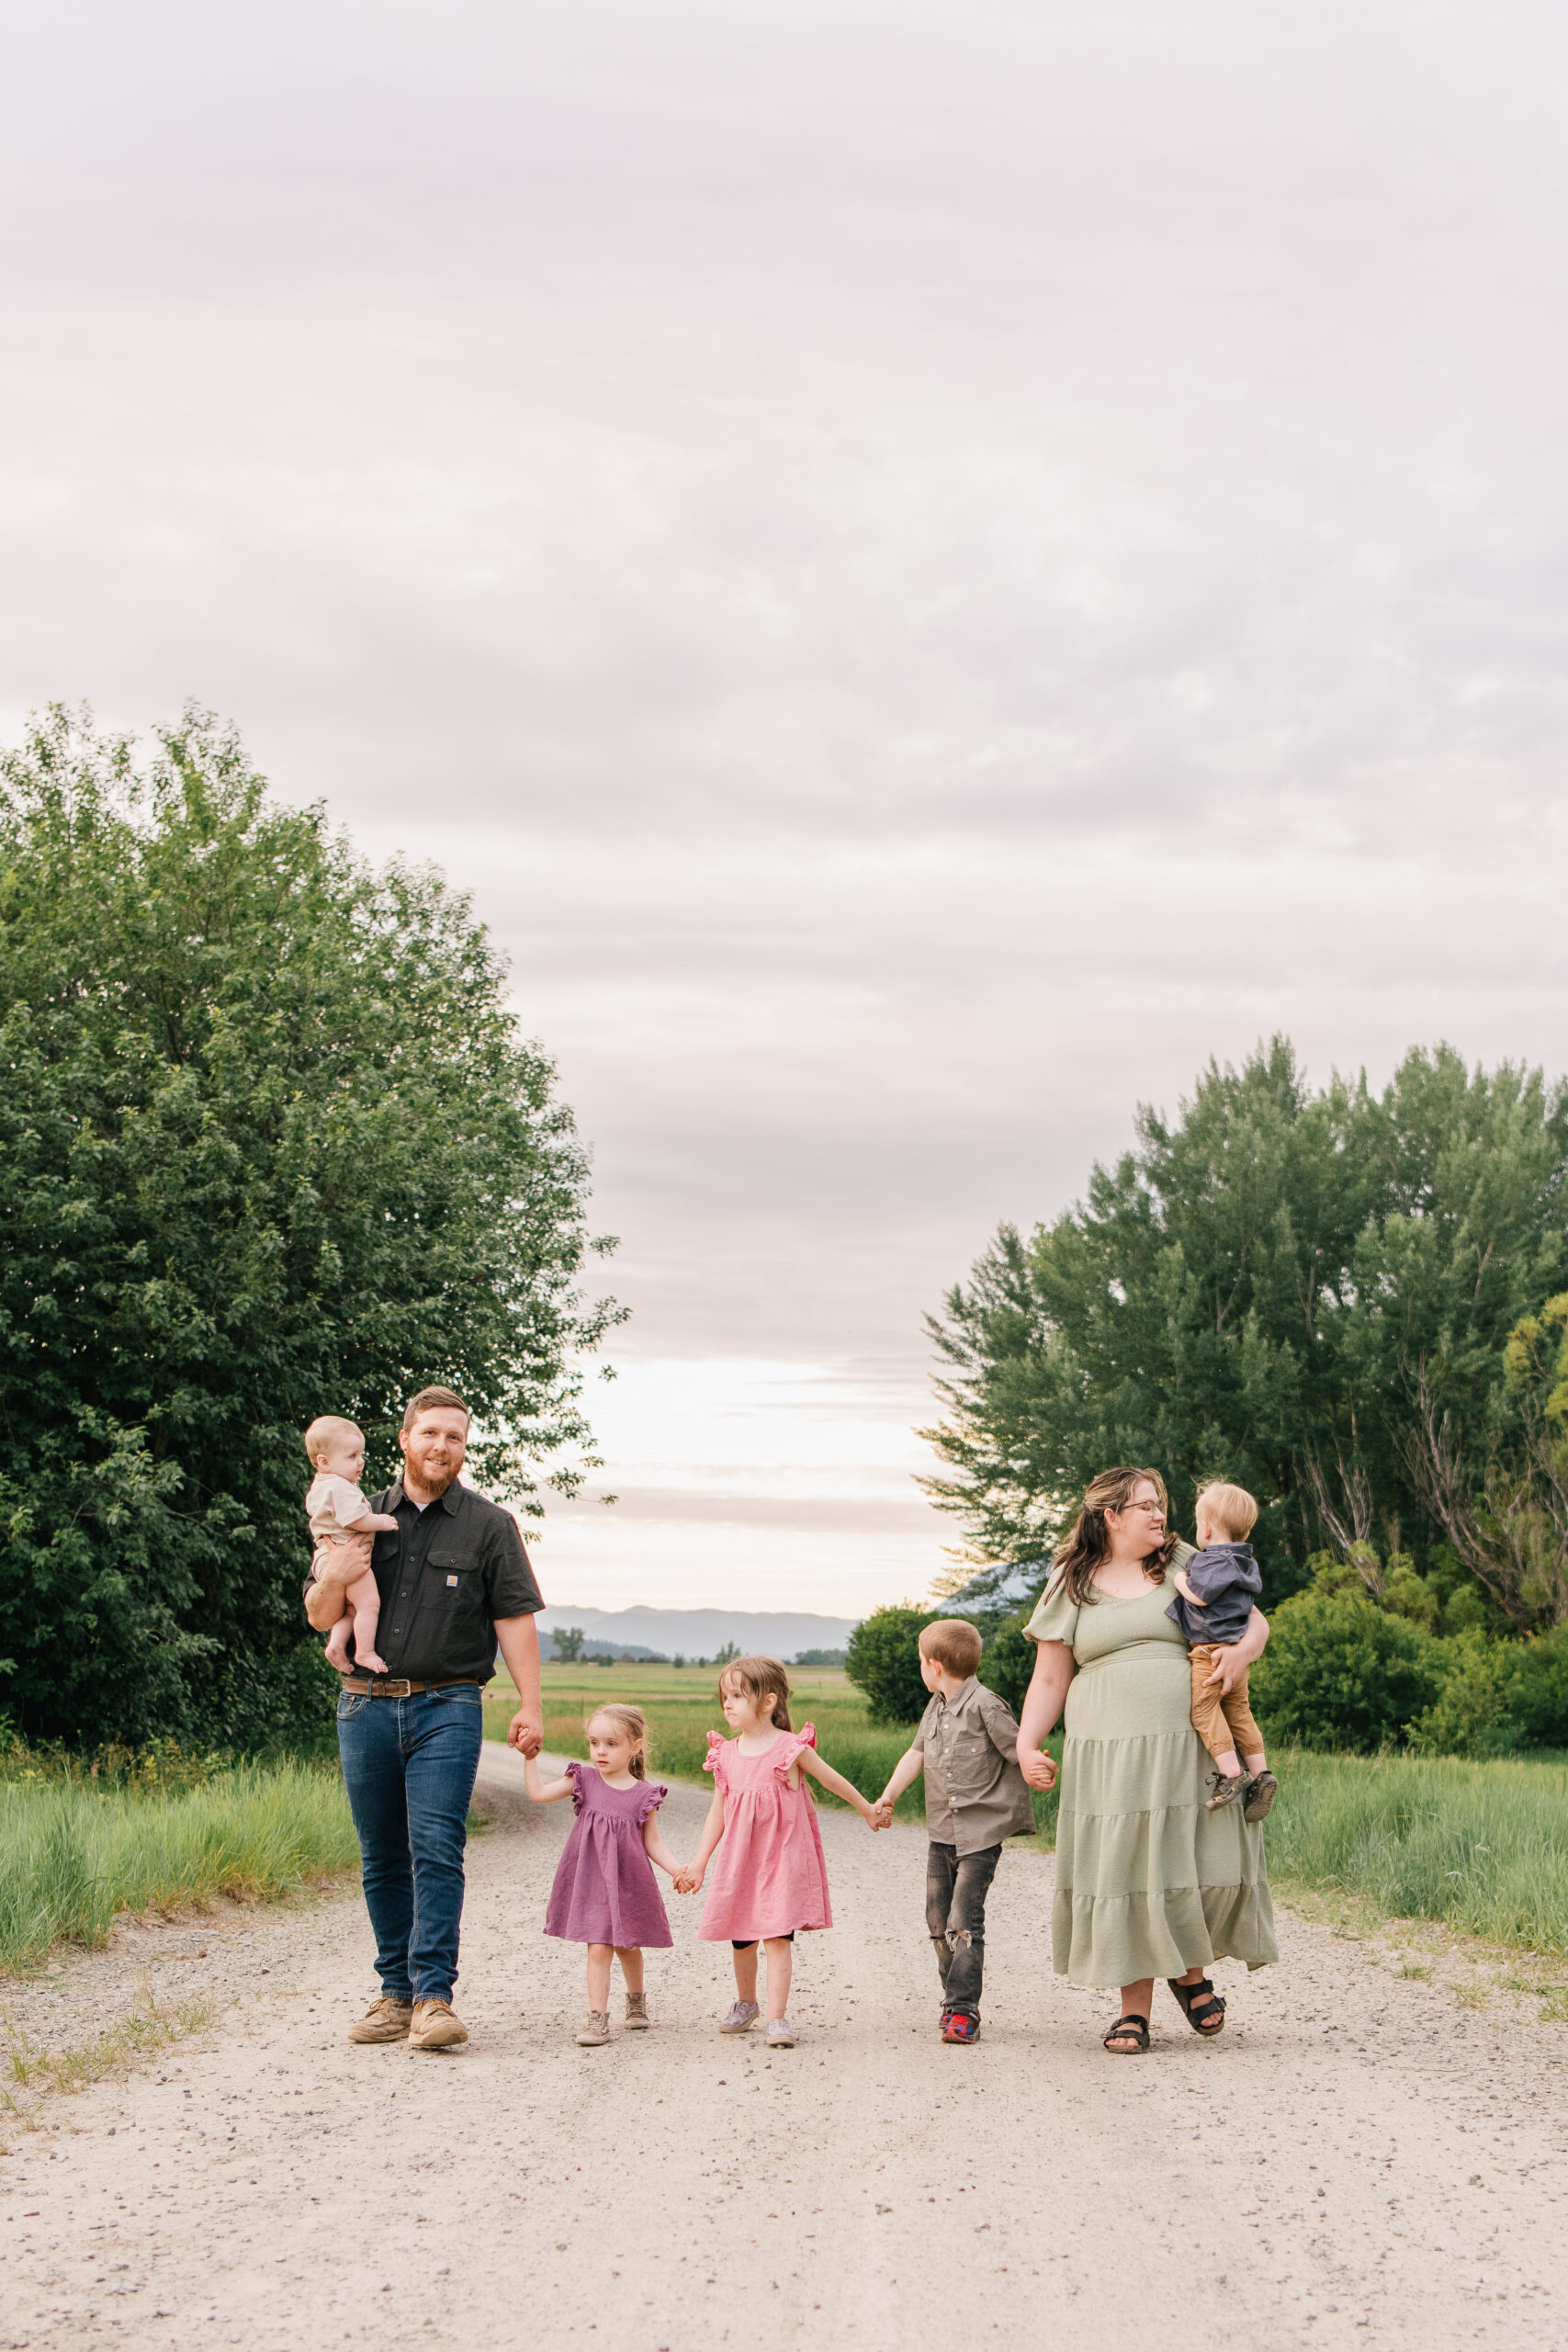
x=1231, y=1508
x=326, y=1429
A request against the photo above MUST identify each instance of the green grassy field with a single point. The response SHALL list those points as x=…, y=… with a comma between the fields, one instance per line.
x=75, y=1852
x=1483, y=1848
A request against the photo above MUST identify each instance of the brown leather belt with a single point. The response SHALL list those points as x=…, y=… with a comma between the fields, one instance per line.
x=398, y=1686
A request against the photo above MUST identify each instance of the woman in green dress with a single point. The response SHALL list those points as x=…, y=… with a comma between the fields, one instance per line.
x=1148, y=1882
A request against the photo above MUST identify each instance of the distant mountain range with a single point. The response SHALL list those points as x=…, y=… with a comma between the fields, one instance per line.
x=701, y=1633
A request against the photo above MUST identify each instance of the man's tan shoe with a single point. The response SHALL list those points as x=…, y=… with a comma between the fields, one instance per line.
x=436, y=2027
x=384, y=2020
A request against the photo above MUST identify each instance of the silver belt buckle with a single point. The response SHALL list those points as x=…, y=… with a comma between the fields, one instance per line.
x=391, y=1685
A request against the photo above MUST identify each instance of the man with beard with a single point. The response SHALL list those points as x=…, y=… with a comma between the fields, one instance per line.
x=454, y=1583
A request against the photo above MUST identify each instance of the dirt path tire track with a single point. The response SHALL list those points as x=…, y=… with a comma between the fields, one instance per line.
x=1356, y=2163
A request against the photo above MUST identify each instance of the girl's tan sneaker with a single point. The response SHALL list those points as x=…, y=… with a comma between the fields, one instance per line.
x=596, y=2032
x=637, y=2018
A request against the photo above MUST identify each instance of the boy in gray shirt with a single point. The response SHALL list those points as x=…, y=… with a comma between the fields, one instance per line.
x=976, y=1796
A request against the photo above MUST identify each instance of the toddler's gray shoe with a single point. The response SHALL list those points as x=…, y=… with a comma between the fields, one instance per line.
x=1228, y=1786
x=637, y=2018
x=1260, y=1795
x=742, y=2016
x=780, y=2034
x=596, y=2032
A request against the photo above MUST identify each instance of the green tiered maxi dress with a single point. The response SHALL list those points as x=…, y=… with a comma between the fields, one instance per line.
x=1147, y=1883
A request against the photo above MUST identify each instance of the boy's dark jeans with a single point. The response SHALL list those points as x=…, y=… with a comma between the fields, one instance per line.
x=408, y=1767
x=955, y=1917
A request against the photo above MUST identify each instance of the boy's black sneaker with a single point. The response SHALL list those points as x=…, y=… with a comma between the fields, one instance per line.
x=1260, y=1794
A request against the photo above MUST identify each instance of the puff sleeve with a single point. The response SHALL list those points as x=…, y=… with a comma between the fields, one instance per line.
x=1056, y=1618
x=651, y=1795
x=574, y=1772
x=713, y=1761
x=783, y=1754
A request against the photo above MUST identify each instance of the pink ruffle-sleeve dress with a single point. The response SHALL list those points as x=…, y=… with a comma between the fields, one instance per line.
x=769, y=1875
x=604, y=1890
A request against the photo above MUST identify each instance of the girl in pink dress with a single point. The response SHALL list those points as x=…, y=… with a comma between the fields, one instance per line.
x=770, y=1877
x=605, y=1895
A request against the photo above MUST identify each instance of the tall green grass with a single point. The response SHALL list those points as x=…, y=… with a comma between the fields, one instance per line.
x=71, y=1855
x=1482, y=1846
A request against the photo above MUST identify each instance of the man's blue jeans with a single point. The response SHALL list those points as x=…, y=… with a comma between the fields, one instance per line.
x=408, y=1767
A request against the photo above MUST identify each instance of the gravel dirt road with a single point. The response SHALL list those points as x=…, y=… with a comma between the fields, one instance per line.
x=1358, y=2161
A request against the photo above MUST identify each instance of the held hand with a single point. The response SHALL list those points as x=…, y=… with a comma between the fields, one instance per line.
x=525, y=1732
x=883, y=1813
x=1038, y=1769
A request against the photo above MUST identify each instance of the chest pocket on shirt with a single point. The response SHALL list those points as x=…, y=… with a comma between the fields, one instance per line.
x=455, y=1577
x=971, y=1759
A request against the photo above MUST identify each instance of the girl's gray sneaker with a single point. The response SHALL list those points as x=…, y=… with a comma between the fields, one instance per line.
x=637, y=2018
x=742, y=2014
x=780, y=2034
x=596, y=2032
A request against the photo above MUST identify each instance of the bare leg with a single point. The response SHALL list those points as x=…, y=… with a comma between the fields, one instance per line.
x=1258, y=1763
x=599, y=1976
x=630, y=1958
x=365, y=1599
x=1229, y=1763
x=780, y=1968
x=746, y=1973
x=337, y=1642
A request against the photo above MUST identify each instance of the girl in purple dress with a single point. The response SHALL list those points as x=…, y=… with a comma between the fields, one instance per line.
x=605, y=1895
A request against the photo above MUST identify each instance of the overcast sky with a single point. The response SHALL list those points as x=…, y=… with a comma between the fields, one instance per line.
x=929, y=567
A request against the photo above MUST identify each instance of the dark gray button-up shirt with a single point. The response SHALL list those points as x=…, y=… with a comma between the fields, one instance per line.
x=976, y=1795
x=444, y=1578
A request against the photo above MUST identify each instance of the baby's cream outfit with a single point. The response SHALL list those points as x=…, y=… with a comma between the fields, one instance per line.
x=332, y=1506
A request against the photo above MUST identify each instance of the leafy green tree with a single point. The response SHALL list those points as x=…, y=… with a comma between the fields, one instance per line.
x=270, y=1144
x=1276, y=1287
x=818, y=1657
x=884, y=1660
x=726, y=1653
x=569, y=1641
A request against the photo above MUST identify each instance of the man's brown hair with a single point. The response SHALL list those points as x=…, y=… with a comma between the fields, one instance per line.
x=955, y=1643
x=425, y=1402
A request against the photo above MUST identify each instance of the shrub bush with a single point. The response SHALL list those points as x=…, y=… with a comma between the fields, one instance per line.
x=1341, y=1672
x=1472, y=1714
x=1538, y=1694
x=884, y=1660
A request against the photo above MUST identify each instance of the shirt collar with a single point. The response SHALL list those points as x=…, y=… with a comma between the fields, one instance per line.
x=950, y=1706
x=450, y=1502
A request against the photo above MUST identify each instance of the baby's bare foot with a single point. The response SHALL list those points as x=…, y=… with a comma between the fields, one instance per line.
x=373, y=1665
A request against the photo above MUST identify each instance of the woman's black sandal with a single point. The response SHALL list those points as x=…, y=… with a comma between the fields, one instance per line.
x=1129, y=2028
x=1202, y=1997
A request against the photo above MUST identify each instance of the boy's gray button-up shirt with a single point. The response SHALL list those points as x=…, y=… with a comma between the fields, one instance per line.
x=976, y=1795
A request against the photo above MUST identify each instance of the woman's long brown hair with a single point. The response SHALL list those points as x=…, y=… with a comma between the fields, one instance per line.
x=1088, y=1543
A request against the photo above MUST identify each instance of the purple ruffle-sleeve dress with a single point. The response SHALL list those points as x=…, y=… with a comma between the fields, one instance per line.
x=604, y=1890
